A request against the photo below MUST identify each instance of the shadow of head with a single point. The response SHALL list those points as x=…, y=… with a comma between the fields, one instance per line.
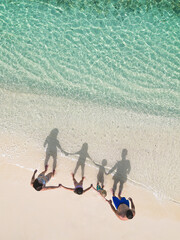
x=54, y=132
x=104, y=162
x=124, y=153
x=84, y=147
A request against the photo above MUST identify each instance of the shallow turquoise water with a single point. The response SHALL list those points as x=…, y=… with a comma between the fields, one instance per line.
x=116, y=53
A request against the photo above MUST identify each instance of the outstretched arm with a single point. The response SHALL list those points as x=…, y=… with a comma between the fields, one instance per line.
x=88, y=188
x=50, y=187
x=33, y=176
x=110, y=203
x=132, y=205
x=71, y=189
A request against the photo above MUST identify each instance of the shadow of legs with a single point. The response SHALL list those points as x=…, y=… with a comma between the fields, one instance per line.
x=46, y=160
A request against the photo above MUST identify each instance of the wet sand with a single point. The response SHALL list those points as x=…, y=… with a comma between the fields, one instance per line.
x=61, y=214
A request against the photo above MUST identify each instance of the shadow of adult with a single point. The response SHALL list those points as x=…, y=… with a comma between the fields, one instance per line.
x=83, y=154
x=51, y=150
x=122, y=168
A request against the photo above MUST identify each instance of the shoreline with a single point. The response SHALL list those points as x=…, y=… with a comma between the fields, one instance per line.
x=38, y=162
x=22, y=146
x=48, y=215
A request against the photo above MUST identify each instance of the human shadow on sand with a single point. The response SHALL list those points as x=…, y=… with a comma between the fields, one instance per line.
x=51, y=150
x=83, y=155
x=122, y=168
x=101, y=172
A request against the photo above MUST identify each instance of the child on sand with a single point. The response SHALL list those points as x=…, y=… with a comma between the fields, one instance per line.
x=39, y=183
x=101, y=190
x=78, y=186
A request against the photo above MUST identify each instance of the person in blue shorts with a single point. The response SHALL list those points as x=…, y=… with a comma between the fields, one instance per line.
x=122, y=207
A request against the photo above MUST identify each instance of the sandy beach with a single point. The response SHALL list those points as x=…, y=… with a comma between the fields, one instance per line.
x=89, y=81
x=61, y=214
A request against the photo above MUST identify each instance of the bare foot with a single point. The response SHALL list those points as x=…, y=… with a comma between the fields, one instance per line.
x=109, y=201
x=46, y=167
x=113, y=192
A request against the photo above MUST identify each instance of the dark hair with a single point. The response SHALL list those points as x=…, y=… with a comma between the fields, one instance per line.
x=38, y=186
x=129, y=214
x=79, y=191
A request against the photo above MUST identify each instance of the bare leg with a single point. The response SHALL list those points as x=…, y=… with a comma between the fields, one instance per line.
x=81, y=182
x=42, y=174
x=49, y=175
x=74, y=180
x=113, y=192
x=46, y=167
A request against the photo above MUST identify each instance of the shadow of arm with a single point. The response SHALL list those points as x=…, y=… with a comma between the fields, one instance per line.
x=73, y=153
x=45, y=143
x=128, y=168
x=111, y=170
x=96, y=163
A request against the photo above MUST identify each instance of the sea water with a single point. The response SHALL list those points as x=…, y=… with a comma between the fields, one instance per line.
x=103, y=72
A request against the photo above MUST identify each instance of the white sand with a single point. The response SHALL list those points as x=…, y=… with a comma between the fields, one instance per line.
x=26, y=214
